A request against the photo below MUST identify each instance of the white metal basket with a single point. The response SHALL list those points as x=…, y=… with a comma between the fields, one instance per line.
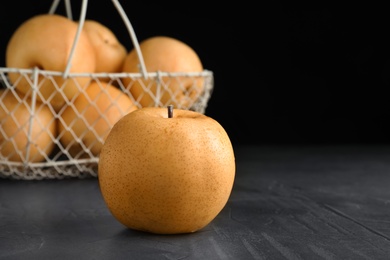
x=77, y=158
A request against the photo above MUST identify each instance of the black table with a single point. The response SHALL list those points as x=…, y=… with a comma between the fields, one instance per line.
x=288, y=202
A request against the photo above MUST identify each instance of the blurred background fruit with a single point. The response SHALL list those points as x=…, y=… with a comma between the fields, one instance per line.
x=23, y=137
x=84, y=125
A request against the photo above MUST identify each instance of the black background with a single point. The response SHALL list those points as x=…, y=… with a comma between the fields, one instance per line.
x=284, y=73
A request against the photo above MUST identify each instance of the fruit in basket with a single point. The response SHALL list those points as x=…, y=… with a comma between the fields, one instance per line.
x=45, y=41
x=166, y=171
x=109, y=52
x=165, y=54
x=26, y=135
x=91, y=117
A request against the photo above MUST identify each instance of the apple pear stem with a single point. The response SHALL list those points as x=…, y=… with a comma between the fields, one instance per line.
x=170, y=111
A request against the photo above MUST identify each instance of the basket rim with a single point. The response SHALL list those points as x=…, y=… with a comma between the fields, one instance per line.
x=203, y=73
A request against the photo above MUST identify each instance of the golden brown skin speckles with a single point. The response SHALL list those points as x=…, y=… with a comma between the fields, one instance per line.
x=175, y=177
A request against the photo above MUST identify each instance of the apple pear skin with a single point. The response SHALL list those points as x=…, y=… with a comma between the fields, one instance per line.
x=109, y=51
x=45, y=41
x=166, y=175
x=162, y=53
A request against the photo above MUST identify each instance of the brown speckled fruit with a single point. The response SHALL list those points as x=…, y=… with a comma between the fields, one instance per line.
x=25, y=136
x=165, y=54
x=87, y=122
x=45, y=42
x=109, y=51
x=166, y=173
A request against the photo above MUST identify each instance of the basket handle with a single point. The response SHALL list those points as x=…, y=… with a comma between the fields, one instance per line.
x=67, y=8
x=133, y=37
x=83, y=12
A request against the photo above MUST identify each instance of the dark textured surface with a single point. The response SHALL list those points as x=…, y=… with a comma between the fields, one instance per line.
x=287, y=203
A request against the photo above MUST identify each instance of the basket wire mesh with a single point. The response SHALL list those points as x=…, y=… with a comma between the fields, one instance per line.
x=31, y=145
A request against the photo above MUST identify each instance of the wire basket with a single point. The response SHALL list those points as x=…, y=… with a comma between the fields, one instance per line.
x=40, y=141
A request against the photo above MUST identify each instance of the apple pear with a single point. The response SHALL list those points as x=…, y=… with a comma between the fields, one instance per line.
x=166, y=171
x=45, y=42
